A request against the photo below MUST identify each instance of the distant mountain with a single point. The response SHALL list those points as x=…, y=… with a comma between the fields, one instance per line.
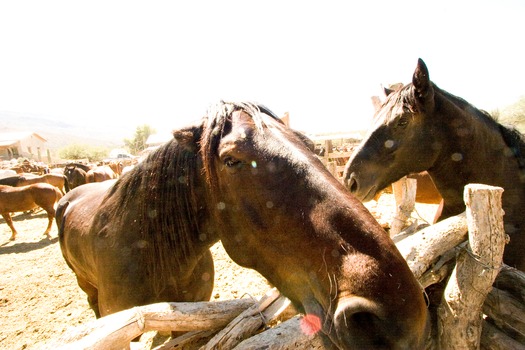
x=60, y=134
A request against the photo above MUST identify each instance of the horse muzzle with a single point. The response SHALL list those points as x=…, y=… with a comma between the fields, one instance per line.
x=362, y=324
x=358, y=189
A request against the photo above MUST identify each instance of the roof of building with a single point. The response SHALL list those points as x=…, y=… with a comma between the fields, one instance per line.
x=11, y=138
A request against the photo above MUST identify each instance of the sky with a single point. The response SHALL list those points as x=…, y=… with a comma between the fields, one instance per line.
x=162, y=63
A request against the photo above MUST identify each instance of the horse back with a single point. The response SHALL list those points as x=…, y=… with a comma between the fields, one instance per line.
x=15, y=199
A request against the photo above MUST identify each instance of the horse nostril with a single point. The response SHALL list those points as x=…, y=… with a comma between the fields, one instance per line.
x=352, y=184
x=359, y=324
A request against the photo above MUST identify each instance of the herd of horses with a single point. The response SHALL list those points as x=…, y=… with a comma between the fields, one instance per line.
x=27, y=191
x=241, y=176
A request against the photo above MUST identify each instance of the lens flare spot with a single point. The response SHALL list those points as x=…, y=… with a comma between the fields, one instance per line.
x=389, y=143
x=254, y=164
x=205, y=277
x=457, y=157
x=269, y=204
x=242, y=132
x=221, y=206
x=310, y=324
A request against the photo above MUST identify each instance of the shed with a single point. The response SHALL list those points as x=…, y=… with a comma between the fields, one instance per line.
x=23, y=144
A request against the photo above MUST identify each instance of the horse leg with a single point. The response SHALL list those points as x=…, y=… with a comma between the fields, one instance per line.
x=92, y=295
x=9, y=222
x=50, y=218
x=203, y=278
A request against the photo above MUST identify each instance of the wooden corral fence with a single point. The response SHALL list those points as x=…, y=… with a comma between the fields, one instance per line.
x=335, y=150
x=483, y=305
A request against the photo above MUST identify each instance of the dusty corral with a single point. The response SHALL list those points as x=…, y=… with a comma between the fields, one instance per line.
x=39, y=296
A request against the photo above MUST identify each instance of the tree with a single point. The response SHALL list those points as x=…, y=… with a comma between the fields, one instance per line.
x=513, y=114
x=76, y=151
x=138, y=142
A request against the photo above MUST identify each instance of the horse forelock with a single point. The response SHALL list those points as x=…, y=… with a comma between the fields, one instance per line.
x=398, y=102
x=218, y=125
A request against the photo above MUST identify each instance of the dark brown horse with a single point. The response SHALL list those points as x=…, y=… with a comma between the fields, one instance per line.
x=57, y=180
x=14, y=199
x=76, y=174
x=242, y=177
x=421, y=127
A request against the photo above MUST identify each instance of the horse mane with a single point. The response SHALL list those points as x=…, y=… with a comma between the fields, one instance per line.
x=161, y=193
x=514, y=140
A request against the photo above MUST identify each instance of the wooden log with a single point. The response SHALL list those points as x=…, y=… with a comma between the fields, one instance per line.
x=507, y=313
x=187, y=341
x=405, y=198
x=422, y=248
x=440, y=270
x=250, y=321
x=512, y=281
x=117, y=330
x=459, y=314
x=494, y=339
x=288, y=335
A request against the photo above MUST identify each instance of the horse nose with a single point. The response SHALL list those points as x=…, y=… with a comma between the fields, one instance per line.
x=361, y=324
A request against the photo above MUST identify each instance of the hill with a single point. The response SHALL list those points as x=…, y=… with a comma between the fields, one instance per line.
x=59, y=133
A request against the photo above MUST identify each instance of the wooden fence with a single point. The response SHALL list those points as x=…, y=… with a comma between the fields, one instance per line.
x=483, y=305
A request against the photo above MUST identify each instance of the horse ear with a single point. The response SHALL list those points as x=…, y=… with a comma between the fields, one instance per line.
x=376, y=102
x=421, y=81
x=188, y=137
x=387, y=91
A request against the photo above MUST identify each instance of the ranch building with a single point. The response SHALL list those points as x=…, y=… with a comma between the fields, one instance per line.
x=28, y=145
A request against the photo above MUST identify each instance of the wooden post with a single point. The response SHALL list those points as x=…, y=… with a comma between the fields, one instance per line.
x=405, y=197
x=332, y=168
x=459, y=314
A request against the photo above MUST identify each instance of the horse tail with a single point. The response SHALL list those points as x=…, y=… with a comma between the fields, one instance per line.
x=66, y=184
x=59, y=217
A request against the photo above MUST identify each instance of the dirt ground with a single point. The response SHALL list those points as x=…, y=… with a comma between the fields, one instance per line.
x=39, y=296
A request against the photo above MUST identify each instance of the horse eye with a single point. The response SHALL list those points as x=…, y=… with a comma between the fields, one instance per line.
x=231, y=162
x=403, y=122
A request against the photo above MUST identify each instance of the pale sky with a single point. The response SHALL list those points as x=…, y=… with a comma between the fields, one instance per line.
x=128, y=63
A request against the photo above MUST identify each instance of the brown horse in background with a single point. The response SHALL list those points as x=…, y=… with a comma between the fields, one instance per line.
x=242, y=177
x=100, y=173
x=422, y=127
x=57, y=180
x=117, y=167
x=15, y=199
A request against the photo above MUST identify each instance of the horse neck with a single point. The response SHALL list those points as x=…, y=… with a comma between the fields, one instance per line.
x=469, y=140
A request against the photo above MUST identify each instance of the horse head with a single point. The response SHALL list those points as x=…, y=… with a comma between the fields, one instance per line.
x=401, y=141
x=279, y=211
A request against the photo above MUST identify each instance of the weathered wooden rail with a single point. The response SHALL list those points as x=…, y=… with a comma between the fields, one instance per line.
x=483, y=305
